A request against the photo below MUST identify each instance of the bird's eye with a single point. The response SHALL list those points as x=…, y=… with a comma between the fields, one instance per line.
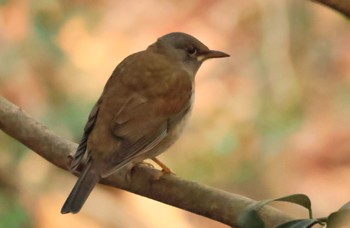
x=192, y=50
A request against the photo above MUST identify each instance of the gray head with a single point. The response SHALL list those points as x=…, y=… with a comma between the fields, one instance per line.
x=185, y=49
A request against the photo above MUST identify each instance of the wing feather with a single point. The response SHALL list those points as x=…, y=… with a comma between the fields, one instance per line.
x=81, y=155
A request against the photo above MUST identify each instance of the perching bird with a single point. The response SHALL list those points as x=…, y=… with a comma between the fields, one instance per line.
x=141, y=112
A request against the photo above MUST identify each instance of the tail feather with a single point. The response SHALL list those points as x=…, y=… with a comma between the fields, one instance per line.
x=81, y=190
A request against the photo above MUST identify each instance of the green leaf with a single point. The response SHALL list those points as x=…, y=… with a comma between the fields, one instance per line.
x=299, y=223
x=339, y=219
x=300, y=199
x=345, y=206
x=251, y=218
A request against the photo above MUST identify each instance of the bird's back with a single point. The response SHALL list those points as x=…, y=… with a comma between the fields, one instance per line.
x=141, y=105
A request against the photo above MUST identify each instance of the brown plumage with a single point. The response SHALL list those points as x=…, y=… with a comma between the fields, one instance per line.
x=141, y=111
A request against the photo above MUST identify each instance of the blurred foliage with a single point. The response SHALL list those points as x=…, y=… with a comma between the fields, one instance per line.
x=251, y=218
x=273, y=117
x=12, y=214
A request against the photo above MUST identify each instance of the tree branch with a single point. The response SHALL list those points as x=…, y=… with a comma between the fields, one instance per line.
x=342, y=6
x=197, y=198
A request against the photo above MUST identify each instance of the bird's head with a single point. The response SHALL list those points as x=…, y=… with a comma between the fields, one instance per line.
x=185, y=49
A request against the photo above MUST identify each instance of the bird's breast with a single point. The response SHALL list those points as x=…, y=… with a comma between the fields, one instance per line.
x=176, y=126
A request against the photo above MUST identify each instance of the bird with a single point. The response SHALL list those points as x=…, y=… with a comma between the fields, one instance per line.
x=141, y=112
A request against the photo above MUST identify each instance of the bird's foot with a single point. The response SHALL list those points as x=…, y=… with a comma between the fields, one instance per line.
x=165, y=169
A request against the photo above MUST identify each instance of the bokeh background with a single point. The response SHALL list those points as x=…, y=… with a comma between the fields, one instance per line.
x=272, y=120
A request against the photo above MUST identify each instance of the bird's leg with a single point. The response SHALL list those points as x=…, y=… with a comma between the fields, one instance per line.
x=165, y=169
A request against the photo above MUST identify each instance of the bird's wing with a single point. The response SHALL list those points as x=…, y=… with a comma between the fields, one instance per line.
x=81, y=156
x=143, y=120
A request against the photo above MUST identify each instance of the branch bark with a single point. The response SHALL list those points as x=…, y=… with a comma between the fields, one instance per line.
x=342, y=6
x=203, y=200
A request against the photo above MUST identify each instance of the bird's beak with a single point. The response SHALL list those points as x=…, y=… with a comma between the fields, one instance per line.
x=211, y=54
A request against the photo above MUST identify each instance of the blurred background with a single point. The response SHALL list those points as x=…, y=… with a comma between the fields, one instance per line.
x=271, y=120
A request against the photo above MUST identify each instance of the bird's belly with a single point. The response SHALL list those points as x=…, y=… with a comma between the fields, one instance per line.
x=173, y=135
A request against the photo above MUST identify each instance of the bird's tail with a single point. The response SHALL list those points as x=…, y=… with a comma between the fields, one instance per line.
x=81, y=190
